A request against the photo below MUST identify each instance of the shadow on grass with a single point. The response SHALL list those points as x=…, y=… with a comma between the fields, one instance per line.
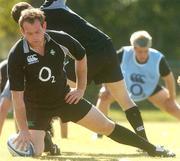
x=72, y=156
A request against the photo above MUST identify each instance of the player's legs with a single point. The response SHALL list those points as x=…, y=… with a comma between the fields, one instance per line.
x=64, y=130
x=119, y=92
x=38, y=141
x=116, y=87
x=104, y=100
x=5, y=104
x=103, y=104
x=39, y=121
x=99, y=123
x=161, y=100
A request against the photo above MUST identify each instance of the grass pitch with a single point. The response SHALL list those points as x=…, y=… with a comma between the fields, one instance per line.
x=81, y=146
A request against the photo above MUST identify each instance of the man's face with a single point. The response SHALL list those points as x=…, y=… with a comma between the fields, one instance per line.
x=34, y=33
x=141, y=54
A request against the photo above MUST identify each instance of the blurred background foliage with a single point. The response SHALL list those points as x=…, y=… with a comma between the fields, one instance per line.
x=118, y=19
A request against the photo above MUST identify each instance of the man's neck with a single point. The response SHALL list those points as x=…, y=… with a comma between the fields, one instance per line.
x=39, y=48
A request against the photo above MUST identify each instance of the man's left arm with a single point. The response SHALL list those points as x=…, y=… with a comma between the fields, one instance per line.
x=168, y=77
x=170, y=85
x=81, y=81
x=76, y=51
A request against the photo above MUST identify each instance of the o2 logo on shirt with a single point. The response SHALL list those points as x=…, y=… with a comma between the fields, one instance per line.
x=48, y=77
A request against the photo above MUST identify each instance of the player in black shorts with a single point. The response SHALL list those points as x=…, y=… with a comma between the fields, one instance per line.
x=102, y=62
x=143, y=81
x=6, y=104
x=39, y=89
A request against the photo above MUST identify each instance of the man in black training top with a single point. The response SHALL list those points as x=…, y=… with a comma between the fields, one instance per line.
x=102, y=61
x=39, y=90
x=103, y=66
x=6, y=104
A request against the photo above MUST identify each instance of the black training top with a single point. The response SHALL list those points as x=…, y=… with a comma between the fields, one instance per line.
x=164, y=67
x=42, y=78
x=66, y=20
x=69, y=42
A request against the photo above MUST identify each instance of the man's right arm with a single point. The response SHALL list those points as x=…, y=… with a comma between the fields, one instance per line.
x=16, y=80
x=168, y=77
x=19, y=109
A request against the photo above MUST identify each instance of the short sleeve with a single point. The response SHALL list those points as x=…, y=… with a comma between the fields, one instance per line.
x=164, y=67
x=15, y=69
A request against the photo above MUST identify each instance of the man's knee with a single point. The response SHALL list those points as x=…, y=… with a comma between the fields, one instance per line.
x=171, y=106
x=107, y=127
x=38, y=141
x=38, y=149
x=105, y=95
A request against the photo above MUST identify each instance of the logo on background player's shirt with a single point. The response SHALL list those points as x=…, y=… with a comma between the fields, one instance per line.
x=136, y=87
x=137, y=78
x=32, y=59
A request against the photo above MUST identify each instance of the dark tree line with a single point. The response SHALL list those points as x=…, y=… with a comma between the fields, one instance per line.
x=117, y=18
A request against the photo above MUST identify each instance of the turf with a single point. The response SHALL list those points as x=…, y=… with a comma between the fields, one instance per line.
x=81, y=146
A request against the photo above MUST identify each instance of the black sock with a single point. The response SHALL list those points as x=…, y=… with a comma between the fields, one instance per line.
x=124, y=136
x=134, y=117
x=47, y=142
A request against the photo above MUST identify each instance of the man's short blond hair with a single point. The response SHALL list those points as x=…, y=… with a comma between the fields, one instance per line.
x=30, y=15
x=141, y=39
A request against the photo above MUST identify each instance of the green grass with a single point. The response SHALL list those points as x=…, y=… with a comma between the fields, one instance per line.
x=147, y=115
x=81, y=147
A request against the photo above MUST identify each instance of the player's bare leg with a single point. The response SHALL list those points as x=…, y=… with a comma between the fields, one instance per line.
x=119, y=92
x=162, y=101
x=104, y=100
x=99, y=123
x=64, y=130
x=5, y=105
x=38, y=141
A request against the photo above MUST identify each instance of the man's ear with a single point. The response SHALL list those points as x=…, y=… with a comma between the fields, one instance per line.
x=22, y=30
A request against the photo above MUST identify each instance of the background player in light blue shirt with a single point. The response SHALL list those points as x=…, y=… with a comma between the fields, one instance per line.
x=142, y=68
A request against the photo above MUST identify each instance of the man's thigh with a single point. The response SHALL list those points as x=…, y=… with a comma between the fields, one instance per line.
x=159, y=97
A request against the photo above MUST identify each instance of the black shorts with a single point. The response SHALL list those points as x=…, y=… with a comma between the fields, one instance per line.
x=40, y=118
x=103, y=67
